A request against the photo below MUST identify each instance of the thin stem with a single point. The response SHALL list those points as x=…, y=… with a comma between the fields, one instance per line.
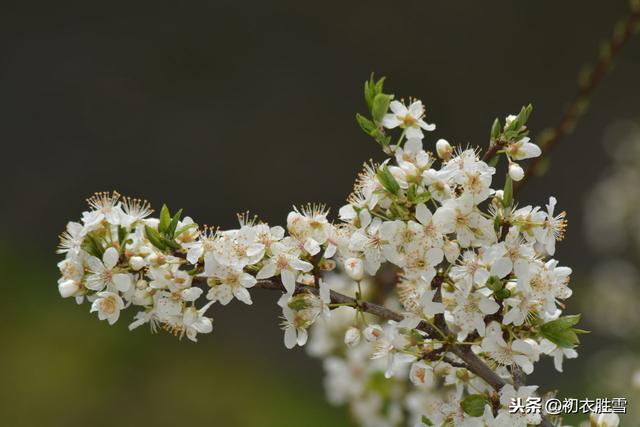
x=473, y=362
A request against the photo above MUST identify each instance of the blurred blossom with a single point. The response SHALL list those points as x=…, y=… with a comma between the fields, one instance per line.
x=610, y=304
x=614, y=284
x=612, y=226
x=612, y=223
x=614, y=373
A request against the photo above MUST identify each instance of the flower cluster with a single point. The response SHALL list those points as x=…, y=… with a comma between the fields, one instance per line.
x=473, y=281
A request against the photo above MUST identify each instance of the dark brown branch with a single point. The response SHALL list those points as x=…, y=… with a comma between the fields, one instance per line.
x=577, y=107
x=472, y=362
x=492, y=151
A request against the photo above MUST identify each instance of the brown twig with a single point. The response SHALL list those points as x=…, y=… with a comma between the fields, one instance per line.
x=578, y=105
x=472, y=362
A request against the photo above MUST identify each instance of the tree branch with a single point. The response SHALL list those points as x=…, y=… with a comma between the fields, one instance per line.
x=472, y=361
x=578, y=105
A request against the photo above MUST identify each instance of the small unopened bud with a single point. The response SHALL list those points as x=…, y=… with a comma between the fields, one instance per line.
x=510, y=118
x=352, y=336
x=136, y=262
x=354, y=268
x=68, y=288
x=516, y=172
x=444, y=150
x=604, y=420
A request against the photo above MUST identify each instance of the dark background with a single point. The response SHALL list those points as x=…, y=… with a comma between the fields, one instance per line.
x=220, y=107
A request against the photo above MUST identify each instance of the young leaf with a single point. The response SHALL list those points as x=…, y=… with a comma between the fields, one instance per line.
x=381, y=138
x=122, y=235
x=507, y=197
x=474, y=404
x=426, y=421
x=564, y=322
x=566, y=338
x=494, y=283
x=388, y=181
x=91, y=244
x=561, y=331
x=165, y=219
x=496, y=129
x=170, y=243
x=369, y=93
x=155, y=238
x=366, y=125
x=380, y=106
x=171, y=228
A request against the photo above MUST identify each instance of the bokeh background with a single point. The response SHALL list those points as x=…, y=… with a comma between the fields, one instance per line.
x=224, y=106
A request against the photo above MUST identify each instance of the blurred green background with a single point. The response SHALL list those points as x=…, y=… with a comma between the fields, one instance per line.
x=224, y=106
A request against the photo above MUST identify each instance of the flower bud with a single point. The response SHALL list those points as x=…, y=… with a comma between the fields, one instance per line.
x=516, y=172
x=352, y=336
x=136, y=262
x=68, y=287
x=604, y=420
x=510, y=118
x=444, y=150
x=354, y=268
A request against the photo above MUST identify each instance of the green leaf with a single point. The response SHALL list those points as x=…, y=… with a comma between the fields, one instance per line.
x=566, y=338
x=521, y=119
x=496, y=129
x=165, y=219
x=380, y=106
x=381, y=138
x=503, y=293
x=171, y=228
x=494, y=283
x=379, y=83
x=155, y=238
x=564, y=322
x=474, y=404
x=398, y=211
x=298, y=304
x=170, y=243
x=423, y=197
x=411, y=192
x=122, y=235
x=507, y=197
x=561, y=331
x=426, y=421
x=92, y=245
x=371, y=89
x=387, y=180
x=366, y=125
